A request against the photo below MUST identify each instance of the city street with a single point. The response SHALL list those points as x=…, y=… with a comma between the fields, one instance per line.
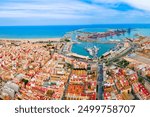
x=100, y=82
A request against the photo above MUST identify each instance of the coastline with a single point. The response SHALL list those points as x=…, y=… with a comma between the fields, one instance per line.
x=31, y=39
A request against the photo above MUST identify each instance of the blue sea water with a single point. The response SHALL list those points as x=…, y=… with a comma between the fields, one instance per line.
x=94, y=29
x=24, y=32
x=80, y=48
x=58, y=31
x=34, y=31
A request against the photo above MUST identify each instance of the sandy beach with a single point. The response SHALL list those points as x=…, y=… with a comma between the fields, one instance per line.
x=31, y=39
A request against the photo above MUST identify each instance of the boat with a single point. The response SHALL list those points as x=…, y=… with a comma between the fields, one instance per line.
x=96, y=49
x=93, y=51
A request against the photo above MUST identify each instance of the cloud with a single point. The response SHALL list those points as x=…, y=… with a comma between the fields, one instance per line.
x=139, y=4
x=73, y=11
x=46, y=9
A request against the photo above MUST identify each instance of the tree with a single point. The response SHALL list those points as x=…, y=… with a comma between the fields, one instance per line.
x=116, y=60
x=67, y=40
x=140, y=79
x=25, y=81
x=89, y=86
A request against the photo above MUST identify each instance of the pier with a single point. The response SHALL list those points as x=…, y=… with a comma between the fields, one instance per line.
x=84, y=36
x=78, y=56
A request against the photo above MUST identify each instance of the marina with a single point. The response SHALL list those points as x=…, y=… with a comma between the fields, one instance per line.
x=103, y=44
x=93, y=51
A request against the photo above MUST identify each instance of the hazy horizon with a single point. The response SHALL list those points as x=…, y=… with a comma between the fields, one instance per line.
x=141, y=24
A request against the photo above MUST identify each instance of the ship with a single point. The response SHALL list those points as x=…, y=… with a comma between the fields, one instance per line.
x=93, y=51
x=94, y=36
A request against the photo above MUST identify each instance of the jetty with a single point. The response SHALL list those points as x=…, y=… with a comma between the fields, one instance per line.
x=83, y=36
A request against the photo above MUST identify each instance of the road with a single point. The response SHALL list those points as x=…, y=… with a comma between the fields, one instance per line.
x=100, y=82
x=144, y=78
x=66, y=86
x=121, y=54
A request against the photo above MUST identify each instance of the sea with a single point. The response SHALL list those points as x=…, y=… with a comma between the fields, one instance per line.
x=33, y=32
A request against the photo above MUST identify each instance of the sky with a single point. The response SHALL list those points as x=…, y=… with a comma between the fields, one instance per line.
x=74, y=12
